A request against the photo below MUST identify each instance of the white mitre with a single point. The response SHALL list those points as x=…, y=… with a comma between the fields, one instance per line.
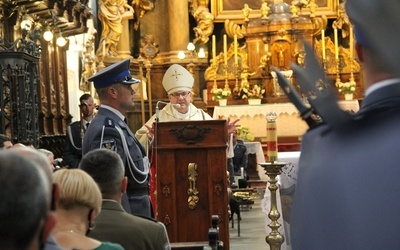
x=177, y=78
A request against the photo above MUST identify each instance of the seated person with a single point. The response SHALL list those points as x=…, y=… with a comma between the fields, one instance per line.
x=238, y=161
x=25, y=217
x=79, y=203
x=114, y=224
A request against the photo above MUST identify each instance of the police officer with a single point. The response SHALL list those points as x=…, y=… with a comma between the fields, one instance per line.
x=75, y=131
x=109, y=130
x=347, y=194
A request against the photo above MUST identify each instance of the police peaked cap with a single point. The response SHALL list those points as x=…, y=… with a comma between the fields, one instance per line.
x=375, y=27
x=115, y=73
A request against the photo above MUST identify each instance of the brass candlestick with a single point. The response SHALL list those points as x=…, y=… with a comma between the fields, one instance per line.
x=236, y=89
x=324, y=65
x=226, y=76
x=214, y=66
x=337, y=72
x=274, y=238
x=351, y=70
x=273, y=169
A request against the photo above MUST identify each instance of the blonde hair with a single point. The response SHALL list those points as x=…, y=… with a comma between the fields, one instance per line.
x=77, y=188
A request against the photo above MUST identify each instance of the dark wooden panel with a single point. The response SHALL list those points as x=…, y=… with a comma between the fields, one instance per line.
x=180, y=144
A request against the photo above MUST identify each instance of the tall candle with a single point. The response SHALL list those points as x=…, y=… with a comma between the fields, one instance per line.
x=351, y=42
x=225, y=51
x=235, y=45
x=336, y=44
x=323, y=44
x=214, y=50
x=272, y=138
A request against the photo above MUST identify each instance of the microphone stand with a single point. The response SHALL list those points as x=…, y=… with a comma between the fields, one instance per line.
x=177, y=105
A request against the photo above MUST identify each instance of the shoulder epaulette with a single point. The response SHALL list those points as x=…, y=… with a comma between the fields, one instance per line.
x=73, y=123
x=108, y=122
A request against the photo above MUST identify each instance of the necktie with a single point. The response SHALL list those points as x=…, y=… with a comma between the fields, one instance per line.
x=87, y=125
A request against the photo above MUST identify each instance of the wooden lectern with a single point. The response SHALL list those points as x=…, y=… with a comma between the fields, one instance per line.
x=192, y=178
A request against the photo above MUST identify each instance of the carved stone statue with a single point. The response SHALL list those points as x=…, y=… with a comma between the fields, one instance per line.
x=313, y=7
x=141, y=8
x=111, y=14
x=244, y=76
x=264, y=11
x=89, y=65
x=204, y=19
x=342, y=22
x=246, y=12
x=281, y=56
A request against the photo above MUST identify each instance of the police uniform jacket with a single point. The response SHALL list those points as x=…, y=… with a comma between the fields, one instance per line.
x=113, y=224
x=73, y=148
x=347, y=194
x=103, y=133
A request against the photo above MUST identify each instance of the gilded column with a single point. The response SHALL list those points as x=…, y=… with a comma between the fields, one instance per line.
x=178, y=24
x=123, y=47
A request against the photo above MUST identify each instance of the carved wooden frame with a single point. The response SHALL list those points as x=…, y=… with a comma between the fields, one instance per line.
x=227, y=9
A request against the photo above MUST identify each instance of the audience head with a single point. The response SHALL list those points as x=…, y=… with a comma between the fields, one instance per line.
x=49, y=155
x=41, y=162
x=5, y=142
x=107, y=169
x=36, y=156
x=27, y=143
x=178, y=82
x=25, y=221
x=77, y=191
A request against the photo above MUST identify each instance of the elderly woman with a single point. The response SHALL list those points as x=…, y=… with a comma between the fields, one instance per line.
x=78, y=205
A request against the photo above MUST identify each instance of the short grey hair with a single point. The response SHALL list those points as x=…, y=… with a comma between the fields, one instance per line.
x=25, y=200
x=106, y=168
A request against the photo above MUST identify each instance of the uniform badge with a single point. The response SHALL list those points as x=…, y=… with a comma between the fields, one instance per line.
x=109, y=144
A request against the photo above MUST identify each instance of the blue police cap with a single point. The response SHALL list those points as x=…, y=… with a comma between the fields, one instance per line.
x=115, y=73
x=375, y=23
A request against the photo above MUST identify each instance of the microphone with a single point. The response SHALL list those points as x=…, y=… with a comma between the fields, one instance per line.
x=176, y=105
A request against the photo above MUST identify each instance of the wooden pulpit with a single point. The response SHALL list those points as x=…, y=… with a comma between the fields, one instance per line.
x=192, y=178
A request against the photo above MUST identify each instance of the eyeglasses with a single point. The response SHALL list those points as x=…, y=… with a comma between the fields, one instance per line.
x=183, y=94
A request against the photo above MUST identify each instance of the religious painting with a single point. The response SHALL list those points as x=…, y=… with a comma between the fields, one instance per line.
x=228, y=9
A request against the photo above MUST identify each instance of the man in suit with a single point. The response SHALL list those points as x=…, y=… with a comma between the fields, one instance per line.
x=75, y=131
x=347, y=194
x=109, y=130
x=113, y=223
x=238, y=162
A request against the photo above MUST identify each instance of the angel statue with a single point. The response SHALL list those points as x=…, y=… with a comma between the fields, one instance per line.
x=204, y=19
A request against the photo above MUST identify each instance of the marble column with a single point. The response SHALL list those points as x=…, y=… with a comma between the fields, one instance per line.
x=178, y=15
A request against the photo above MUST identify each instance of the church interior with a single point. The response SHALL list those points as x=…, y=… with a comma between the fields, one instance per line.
x=49, y=49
